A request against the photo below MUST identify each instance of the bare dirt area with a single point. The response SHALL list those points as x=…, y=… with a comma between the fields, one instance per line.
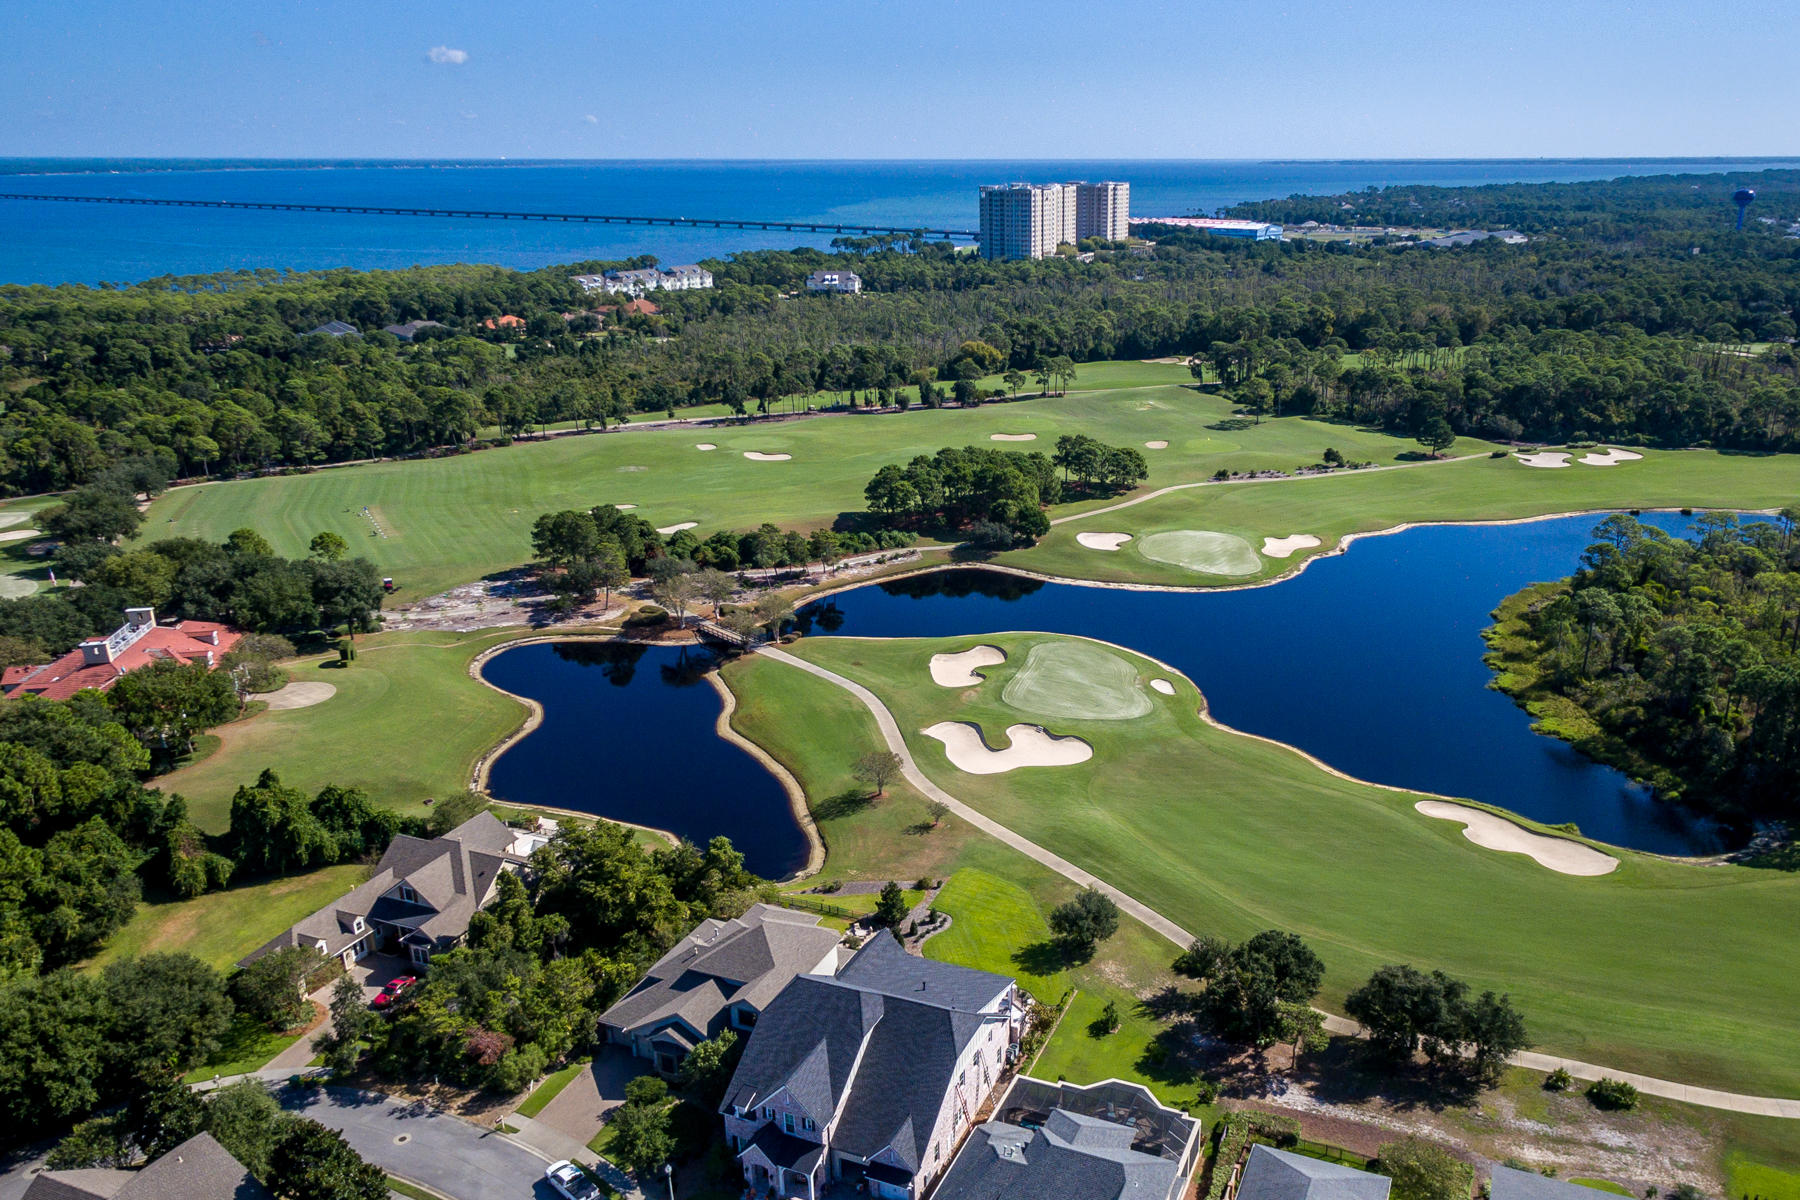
x=511, y=598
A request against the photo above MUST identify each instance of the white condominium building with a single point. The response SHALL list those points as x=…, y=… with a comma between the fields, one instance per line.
x=649, y=279
x=1030, y=220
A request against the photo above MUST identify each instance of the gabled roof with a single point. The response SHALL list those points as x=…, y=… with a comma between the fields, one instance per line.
x=873, y=1048
x=722, y=963
x=336, y=329
x=1279, y=1175
x=1511, y=1184
x=183, y=641
x=198, y=1169
x=452, y=876
x=1071, y=1157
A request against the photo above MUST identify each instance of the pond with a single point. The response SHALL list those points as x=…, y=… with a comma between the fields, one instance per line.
x=628, y=733
x=1370, y=661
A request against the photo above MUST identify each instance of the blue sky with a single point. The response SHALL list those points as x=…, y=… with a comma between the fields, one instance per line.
x=889, y=79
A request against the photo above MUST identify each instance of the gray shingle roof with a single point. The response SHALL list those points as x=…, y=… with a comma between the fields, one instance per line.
x=1511, y=1184
x=908, y=1020
x=198, y=1169
x=452, y=876
x=1279, y=1175
x=1068, y=1158
x=336, y=329
x=722, y=963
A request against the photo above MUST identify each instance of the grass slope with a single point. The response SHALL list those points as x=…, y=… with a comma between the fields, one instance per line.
x=1659, y=967
x=446, y=521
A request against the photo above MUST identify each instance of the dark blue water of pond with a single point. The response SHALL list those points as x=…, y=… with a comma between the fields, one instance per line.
x=628, y=734
x=1370, y=661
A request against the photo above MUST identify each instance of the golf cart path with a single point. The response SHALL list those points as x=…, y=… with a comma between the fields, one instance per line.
x=1766, y=1106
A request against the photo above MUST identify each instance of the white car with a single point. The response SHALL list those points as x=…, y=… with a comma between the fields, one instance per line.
x=571, y=1182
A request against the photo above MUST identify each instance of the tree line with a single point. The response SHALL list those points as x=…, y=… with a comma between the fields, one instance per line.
x=1675, y=658
x=219, y=373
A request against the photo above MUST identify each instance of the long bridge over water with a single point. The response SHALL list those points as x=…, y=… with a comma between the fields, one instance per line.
x=482, y=214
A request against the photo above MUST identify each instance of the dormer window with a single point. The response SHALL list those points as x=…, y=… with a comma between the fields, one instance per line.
x=357, y=925
x=407, y=894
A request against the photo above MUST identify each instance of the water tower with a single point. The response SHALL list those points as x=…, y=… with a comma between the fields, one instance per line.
x=1742, y=198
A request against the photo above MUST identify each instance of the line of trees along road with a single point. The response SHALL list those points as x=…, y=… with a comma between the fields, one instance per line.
x=1623, y=318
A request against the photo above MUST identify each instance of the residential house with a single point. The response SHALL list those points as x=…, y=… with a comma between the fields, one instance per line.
x=870, y=1076
x=1511, y=1184
x=198, y=1169
x=1272, y=1174
x=420, y=898
x=1106, y=1141
x=721, y=976
x=337, y=329
x=504, y=321
x=407, y=331
x=99, y=663
x=847, y=282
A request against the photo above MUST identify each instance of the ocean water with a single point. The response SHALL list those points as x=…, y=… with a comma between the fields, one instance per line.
x=76, y=243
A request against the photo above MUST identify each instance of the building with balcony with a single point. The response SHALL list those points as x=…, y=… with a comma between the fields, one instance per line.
x=1030, y=220
x=99, y=663
x=845, y=282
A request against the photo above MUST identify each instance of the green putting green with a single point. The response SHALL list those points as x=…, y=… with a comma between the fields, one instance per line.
x=1202, y=550
x=1077, y=681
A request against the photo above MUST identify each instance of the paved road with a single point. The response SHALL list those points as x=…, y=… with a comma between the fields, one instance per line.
x=421, y=1143
x=1768, y=1106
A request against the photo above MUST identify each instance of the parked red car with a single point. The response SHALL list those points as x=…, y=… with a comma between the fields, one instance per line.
x=391, y=992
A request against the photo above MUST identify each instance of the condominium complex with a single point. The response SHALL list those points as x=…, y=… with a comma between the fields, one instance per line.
x=650, y=279
x=1030, y=220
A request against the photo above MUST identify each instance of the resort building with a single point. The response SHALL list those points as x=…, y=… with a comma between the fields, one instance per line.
x=198, y=1169
x=98, y=663
x=870, y=1076
x=421, y=896
x=1030, y=220
x=848, y=282
x=648, y=279
x=1106, y=1141
x=721, y=976
x=1261, y=231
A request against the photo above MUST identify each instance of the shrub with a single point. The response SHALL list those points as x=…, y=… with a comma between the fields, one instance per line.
x=1558, y=1080
x=647, y=617
x=1613, y=1095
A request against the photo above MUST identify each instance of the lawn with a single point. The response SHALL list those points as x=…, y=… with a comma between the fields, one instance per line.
x=548, y=1090
x=246, y=1046
x=1474, y=489
x=1745, y=1177
x=450, y=520
x=406, y=723
x=222, y=927
x=1228, y=835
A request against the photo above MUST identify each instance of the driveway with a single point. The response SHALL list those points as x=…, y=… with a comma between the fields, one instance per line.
x=421, y=1143
x=580, y=1108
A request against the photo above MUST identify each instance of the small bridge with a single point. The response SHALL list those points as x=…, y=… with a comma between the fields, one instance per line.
x=482, y=214
x=713, y=631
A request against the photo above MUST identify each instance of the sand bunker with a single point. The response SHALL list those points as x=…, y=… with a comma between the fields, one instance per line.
x=8, y=520
x=666, y=530
x=1544, y=458
x=1608, y=458
x=1012, y=437
x=298, y=695
x=1076, y=681
x=1497, y=833
x=624, y=507
x=704, y=446
x=19, y=535
x=1030, y=746
x=759, y=456
x=1157, y=445
x=1102, y=541
x=14, y=586
x=1202, y=550
x=1283, y=546
x=1163, y=686
x=958, y=670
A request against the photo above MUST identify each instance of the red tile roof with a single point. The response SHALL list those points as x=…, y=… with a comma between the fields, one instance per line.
x=184, y=641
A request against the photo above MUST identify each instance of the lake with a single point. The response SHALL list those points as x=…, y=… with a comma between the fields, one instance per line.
x=43, y=242
x=1370, y=660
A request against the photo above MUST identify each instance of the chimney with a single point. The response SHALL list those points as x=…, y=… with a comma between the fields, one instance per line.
x=95, y=652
